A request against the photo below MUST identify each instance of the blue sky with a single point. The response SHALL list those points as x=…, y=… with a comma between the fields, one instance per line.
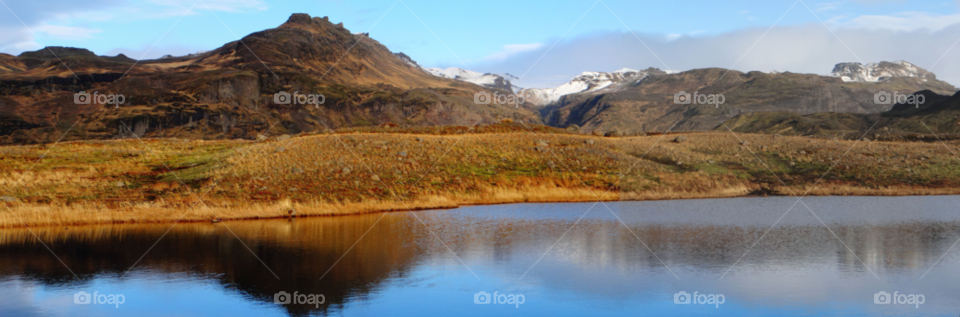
x=545, y=42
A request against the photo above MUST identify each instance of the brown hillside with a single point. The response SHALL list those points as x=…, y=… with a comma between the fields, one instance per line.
x=228, y=92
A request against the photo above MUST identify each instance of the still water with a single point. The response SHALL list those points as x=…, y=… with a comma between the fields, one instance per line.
x=826, y=256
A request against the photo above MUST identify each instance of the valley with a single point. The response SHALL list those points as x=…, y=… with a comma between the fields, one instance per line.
x=227, y=134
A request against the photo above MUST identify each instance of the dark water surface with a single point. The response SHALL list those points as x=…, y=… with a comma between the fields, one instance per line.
x=827, y=256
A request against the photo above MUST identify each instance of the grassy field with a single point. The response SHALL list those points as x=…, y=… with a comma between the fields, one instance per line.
x=393, y=169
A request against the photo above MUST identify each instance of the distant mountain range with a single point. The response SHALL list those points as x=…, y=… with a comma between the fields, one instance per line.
x=631, y=101
x=230, y=92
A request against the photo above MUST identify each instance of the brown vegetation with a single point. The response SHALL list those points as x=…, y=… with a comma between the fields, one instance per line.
x=370, y=170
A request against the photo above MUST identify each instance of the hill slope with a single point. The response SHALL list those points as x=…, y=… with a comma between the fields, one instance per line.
x=940, y=114
x=228, y=92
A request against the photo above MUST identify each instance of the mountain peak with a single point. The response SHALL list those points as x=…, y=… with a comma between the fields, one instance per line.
x=225, y=93
x=313, y=24
x=488, y=80
x=878, y=72
x=408, y=60
x=51, y=52
x=589, y=82
x=300, y=18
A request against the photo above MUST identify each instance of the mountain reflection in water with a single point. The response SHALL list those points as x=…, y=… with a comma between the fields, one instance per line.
x=691, y=242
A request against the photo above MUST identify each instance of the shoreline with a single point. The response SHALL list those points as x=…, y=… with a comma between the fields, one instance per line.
x=322, y=210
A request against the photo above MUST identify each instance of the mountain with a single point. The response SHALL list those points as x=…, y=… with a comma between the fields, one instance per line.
x=646, y=102
x=939, y=114
x=487, y=80
x=589, y=82
x=229, y=92
x=408, y=60
x=879, y=72
x=11, y=64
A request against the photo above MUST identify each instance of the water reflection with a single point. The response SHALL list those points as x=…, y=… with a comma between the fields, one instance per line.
x=606, y=253
x=298, y=252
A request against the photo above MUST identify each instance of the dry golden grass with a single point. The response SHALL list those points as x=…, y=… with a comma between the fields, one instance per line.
x=360, y=172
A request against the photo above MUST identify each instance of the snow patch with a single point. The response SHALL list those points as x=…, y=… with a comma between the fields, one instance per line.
x=483, y=79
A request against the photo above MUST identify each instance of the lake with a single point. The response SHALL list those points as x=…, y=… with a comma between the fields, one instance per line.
x=743, y=256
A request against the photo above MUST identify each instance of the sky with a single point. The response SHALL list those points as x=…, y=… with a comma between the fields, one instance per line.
x=543, y=43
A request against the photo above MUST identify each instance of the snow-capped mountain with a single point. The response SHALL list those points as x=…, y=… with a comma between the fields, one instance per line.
x=588, y=82
x=877, y=72
x=486, y=80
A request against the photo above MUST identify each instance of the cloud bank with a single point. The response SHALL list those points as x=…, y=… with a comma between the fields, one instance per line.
x=810, y=48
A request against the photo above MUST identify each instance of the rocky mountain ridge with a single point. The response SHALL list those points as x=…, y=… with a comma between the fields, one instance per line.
x=647, y=102
x=230, y=92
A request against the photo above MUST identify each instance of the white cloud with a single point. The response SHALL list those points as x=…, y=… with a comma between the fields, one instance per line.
x=876, y=2
x=35, y=13
x=904, y=21
x=674, y=36
x=14, y=40
x=68, y=19
x=66, y=32
x=512, y=49
x=216, y=5
x=828, y=6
